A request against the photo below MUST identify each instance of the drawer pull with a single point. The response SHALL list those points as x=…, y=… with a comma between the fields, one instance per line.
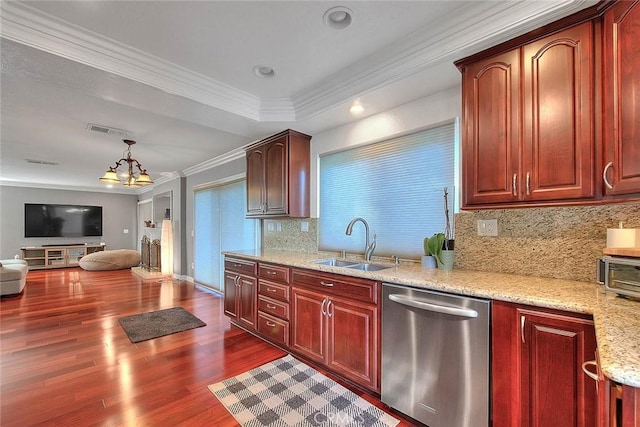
x=327, y=284
x=270, y=324
x=271, y=290
x=273, y=273
x=271, y=306
x=237, y=265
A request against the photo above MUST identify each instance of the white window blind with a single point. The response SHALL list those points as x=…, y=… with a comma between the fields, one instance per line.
x=220, y=225
x=396, y=185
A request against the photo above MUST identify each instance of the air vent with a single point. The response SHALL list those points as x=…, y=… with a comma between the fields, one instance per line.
x=42, y=162
x=108, y=130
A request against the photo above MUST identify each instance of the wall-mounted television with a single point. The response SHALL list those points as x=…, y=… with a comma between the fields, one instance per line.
x=46, y=220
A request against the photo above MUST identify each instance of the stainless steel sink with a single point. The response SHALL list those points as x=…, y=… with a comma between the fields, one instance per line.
x=333, y=262
x=368, y=267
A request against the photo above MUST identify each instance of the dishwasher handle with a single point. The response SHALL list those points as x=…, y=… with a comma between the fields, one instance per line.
x=429, y=306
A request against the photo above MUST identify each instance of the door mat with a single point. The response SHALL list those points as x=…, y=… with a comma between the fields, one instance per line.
x=147, y=326
x=287, y=392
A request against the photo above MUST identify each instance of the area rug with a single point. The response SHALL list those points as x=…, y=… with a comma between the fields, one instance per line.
x=146, y=326
x=288, y=393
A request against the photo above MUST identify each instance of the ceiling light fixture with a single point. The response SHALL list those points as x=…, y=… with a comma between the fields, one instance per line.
x=338, y=17
x=263, y=71
x=130, y=177
x=356, y=108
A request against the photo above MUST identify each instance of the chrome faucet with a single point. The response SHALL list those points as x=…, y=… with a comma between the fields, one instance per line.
x=368, y=247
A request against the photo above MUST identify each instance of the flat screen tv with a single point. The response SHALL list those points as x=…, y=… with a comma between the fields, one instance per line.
x=45, y=220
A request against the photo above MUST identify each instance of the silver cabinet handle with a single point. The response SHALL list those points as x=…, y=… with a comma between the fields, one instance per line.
x=271, y=290
x=527, y=183
x=604, y=175
x=522, y=320
x=514, y=183
x=329, y=313
x=327, y=284
x=271, y=306
x=273, y=273
x=588, y=372
x=430, y=306
x=324, y=301
x=271, y=324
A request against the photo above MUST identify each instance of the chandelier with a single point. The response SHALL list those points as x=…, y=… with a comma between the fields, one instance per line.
x=130, y=179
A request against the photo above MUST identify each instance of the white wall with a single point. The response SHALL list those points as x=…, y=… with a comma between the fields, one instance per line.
x=118, y=213
x=407, y=118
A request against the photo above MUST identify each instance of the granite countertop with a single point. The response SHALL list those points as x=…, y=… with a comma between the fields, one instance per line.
x=617, y=320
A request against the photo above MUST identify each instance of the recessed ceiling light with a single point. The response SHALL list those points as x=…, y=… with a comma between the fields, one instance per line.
x=338, y=17
x=263, y=71
x=356, y=108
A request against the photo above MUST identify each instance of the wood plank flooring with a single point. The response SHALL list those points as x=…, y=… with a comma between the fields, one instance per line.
x=65, y=360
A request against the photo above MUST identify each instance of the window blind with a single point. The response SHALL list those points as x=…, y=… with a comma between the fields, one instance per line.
x=395, y=185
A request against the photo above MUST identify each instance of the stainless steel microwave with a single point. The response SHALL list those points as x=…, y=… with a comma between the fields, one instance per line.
x=620, y=275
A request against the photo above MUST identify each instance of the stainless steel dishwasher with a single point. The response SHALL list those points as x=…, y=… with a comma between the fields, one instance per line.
x=435, y=356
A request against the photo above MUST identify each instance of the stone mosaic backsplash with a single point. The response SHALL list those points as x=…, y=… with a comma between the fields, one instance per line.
x=558, y=242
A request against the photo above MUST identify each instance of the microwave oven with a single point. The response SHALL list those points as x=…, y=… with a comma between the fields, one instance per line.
x=620, y=275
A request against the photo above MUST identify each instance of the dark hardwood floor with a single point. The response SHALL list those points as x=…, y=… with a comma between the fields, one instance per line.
x=65, y=360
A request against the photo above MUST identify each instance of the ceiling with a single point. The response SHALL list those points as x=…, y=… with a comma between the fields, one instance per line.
x=178, y=75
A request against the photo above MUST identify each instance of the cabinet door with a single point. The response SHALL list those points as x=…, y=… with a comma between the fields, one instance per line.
x=275, y=154
x=621, y=52
x=554, y=390
x=491, y=111
x=255, y=181
x=230, y=295
x=308, y=325
x=247, y=301
x=558, y=140
x=353, y=341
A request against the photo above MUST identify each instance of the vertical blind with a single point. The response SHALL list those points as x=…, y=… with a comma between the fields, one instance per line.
x=397, y=186
x=220, y=225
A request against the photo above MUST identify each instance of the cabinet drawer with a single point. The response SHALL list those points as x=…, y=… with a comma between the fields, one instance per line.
x=273, y=307
x=273, y=290
x=331, y=284
x=240, y=266
x=273, y=272
x=274, y=329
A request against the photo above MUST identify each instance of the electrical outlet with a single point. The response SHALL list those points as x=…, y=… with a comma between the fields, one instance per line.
x=487, y=227
x=278, y=226
x=304, y=226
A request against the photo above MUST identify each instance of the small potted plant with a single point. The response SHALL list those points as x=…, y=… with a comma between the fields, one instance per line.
x=433, y=250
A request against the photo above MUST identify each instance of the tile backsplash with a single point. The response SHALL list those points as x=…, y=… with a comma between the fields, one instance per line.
x=558, y=242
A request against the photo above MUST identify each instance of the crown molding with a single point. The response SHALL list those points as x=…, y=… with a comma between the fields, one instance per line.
x=475, y=27
x=116, y=190
x=29, y=26
x=238, y=153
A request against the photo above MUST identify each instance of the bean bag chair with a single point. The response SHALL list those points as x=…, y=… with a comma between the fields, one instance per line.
x=118, y=259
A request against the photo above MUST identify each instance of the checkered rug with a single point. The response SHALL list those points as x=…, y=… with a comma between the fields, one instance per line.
x=287, y=392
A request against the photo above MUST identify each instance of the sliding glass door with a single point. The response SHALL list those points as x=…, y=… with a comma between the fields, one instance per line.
x=220, y=225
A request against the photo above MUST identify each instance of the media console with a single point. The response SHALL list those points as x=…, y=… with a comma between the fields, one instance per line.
x=58, y=256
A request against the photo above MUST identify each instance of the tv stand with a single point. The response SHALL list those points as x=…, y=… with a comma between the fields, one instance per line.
x=57, y=256
x=62, y=244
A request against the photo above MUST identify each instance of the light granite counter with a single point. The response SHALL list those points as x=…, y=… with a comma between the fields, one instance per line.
x=617, y=320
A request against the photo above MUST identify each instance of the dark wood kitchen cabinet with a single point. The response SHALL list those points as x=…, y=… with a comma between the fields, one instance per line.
x=528, y=116
x=240, y=290
x=337, y=326
x=537, y=377
x=273, y=303
x=621, y=96
x=278, y=170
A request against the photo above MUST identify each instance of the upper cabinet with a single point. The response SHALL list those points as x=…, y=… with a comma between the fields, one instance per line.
x=278, y=176
x=621, y=94
x=528, y=122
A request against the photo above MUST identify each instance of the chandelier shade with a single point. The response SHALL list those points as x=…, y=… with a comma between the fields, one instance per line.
x=134, y=175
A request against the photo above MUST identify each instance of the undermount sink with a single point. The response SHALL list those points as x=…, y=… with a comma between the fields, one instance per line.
x=333, y=262
x=368, y=267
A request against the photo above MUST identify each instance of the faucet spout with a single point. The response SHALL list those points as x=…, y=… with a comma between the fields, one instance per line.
x=368, y=246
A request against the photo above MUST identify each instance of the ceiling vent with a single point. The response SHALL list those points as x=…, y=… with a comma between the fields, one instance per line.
x=42, y=162
x=106, y=130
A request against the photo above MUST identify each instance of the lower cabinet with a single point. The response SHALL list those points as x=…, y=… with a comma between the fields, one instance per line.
x=240, y=292
x=537, y=376
x=341, y=333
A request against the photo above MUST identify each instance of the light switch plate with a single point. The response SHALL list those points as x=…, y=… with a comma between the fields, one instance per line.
x=488, y=227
